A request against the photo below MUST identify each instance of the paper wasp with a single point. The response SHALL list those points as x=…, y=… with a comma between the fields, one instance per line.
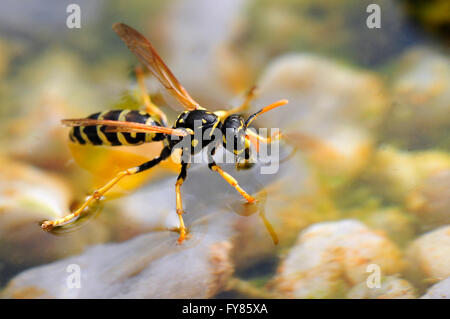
x=131, y=127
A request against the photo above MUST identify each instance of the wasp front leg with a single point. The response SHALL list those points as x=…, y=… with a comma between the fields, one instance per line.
x=255, y=138
x=232, y=181
x=227, y=177
x=307, y=141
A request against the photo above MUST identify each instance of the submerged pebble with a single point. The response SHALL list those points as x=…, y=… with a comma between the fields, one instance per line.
x=148, y=266
x=331, y=257
x=430, y=201
x=27, y=196
x=429, y=256
x=391, y=287
x=441, y=290
x=420, y=91
x=395, y=222
x=333, y=107
x=395, y=173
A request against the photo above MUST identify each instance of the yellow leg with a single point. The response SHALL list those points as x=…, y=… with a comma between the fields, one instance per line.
x=255, y=138
x=222, y=114
x=267, y=140
x=232, y=181
x=246, y=104
x=180, y=211
x=150, y=108
x=269, y=228
x=50, y=224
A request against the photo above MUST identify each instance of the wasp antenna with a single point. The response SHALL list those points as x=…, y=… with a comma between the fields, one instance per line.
x=266, y=109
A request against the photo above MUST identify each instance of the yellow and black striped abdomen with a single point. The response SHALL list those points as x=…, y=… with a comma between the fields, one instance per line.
x=97, y=135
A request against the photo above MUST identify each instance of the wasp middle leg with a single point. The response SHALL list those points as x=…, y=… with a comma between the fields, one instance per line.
x=98, y=194
x=180, y=180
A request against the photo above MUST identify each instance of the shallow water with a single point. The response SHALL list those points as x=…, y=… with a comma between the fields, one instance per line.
x=368, y=119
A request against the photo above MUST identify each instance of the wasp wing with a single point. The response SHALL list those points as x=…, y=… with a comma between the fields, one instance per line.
x=148, y=56
x=122, y=126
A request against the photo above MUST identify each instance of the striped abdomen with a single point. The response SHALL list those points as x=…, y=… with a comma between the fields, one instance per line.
x=97, y=135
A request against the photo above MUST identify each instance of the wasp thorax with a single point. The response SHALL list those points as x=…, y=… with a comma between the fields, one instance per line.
x=233, y=130
x=202, y=126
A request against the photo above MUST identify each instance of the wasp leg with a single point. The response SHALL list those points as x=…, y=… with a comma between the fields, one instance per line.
x=243, y=107
x=150, y=107
x=180, y=180
x=256, y=138
x=275, y=137
x=246, y=104
x=232, y=181
x=269, y=228
x=98, y=194
x=227, y=177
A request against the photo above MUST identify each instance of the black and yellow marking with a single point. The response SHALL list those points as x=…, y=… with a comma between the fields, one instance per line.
x=179, y=202
x=190, y=121
x=235, y=125
x=97, y=134
x=186, y=122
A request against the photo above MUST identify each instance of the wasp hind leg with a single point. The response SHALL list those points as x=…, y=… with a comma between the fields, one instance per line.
x=48, y=225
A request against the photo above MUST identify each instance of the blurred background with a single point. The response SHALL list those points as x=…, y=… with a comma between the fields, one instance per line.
x=368, y=116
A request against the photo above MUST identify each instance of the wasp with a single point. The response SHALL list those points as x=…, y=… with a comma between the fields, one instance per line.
x=132, y=127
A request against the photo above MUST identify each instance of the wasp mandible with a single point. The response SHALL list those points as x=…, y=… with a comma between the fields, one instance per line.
x=132, y=127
